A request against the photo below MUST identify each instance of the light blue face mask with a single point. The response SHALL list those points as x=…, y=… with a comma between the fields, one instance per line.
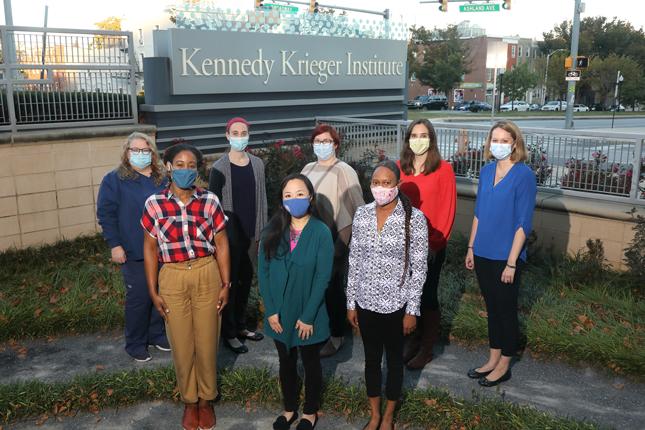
x=140, y=160
x=324, y=151
x=238, y=143
x=501, y=151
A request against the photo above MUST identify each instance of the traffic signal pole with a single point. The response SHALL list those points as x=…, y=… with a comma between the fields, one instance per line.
x=571, y=87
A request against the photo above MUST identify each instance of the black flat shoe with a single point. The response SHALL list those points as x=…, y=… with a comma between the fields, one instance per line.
x=251, y=335
x=305, y=424
x=281, y=423
x=485, y=382
x=238, y=350
x=474, y=374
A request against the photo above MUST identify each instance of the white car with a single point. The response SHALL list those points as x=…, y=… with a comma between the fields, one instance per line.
x=519, y=106
x=580, y=108
x=555, y=105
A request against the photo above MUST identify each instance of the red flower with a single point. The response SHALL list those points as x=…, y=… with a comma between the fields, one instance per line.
x=297, y=152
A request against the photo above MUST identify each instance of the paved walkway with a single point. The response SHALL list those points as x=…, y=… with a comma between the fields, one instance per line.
x=581, y=393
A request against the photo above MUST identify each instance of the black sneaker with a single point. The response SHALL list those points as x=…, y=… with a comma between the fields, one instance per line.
x=141, y=357
x=163, y=345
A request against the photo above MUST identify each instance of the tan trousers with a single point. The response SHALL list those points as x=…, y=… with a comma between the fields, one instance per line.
x=191, y=290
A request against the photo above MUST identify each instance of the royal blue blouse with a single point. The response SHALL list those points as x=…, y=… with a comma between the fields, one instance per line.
x=502, y=209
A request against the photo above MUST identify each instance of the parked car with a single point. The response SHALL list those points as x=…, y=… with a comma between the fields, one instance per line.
x=621, y=108
x=534, y=107
x=464, y=106
x=517, y=105
x=480, y=106
x=555, y=105
x=598, y=107
x=435, y=103
x=580, y=108
x=416, y=102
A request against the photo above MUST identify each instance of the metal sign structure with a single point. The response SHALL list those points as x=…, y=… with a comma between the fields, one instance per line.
x=573, y=75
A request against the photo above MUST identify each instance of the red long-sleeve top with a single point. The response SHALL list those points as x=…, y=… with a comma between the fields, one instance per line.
x=435, y=195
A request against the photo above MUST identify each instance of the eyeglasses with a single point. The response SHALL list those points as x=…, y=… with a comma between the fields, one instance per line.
x=144, y=151
x=323, y=142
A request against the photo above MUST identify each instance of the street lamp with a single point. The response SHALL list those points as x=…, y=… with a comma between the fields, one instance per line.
x=546, y=72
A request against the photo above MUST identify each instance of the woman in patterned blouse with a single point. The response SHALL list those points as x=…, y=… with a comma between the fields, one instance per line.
x=387, y=269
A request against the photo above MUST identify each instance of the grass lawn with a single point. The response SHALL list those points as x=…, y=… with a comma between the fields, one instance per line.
x=571, y=308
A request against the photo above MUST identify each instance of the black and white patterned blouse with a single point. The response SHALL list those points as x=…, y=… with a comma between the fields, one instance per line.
x=376, y=261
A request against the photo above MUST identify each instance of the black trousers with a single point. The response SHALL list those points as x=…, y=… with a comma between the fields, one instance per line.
x=501, y=303
x=335, y=298
x=429, y=297
x=234, y=315
x=382, y=331
x=289, y=382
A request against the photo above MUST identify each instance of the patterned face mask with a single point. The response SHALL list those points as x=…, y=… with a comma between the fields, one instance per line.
x=383, y=195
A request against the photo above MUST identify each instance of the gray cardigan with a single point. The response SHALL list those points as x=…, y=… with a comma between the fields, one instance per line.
x=219, y=182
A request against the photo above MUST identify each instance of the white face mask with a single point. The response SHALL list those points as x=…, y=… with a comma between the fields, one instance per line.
x=501, y=151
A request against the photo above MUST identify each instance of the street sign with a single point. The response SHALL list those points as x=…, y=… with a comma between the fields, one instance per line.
x=479, y=8
x=573, y=75
x=281, y=8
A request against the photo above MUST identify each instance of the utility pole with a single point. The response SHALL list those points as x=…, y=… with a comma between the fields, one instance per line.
x=571, y=87
x=619, y=80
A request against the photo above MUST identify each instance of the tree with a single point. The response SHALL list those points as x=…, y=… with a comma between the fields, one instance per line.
x=602, y=76
x=518, y=81
x=111, y=23
x=438, y=58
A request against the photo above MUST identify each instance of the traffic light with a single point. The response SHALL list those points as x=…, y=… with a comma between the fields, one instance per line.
x=568, y=63
x=444, y=5
x=313, y=6
x=582, y=62
x=506, y=5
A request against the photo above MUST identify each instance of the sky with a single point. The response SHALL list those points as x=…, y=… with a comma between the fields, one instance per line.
x=527, y=18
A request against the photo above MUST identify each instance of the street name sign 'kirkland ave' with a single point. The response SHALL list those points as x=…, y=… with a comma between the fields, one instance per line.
x=479, y=8
x=281, y=8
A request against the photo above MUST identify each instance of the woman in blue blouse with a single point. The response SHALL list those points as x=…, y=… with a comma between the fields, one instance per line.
x=497, y=245
x=388, y=261
x=294, y=267
x=120, y=202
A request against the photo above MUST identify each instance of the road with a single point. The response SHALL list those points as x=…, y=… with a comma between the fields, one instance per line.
x=625, y=124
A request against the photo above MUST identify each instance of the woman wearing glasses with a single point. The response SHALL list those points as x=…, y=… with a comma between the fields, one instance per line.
x=122, y=195
x=338, y=195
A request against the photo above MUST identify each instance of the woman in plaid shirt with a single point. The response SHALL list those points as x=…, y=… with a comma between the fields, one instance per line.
x=185, y=228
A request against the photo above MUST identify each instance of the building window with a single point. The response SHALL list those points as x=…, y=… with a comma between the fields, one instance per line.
x=489, y=75
x=513, y=51
x=519, y=52
x=528, y=52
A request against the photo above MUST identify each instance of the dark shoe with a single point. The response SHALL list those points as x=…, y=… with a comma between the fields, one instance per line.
x=281, y=423
x=162, y=345
x=207, y=418
x=305, y=424
x=236, y=349
x=474, y=374
x=141, y=357
x=485, y=382
x=329, y=349
x=190, y=421
x=430, y=321
x=251, y=335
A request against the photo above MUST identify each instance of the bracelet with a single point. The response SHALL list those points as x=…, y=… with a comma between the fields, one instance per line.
x=509, y=266
x=226, y=285
x=470, y=247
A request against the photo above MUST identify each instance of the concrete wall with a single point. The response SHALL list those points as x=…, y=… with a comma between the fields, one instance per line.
x=49, y=182
x=565, y=223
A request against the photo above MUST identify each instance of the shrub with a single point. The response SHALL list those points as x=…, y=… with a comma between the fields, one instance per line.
x=635, y=252
x=598, y=175
x=538, y=162
x=468, y=161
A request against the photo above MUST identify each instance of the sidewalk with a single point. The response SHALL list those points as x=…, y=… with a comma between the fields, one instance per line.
x=560, y=389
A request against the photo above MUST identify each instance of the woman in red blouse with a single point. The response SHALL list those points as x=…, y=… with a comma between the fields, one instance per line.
x=429, y=182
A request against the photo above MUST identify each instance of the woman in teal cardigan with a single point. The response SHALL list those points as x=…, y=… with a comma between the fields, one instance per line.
x=294, y=267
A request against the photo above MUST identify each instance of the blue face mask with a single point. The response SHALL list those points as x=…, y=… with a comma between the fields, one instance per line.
x=324, y=151
x=238, y=143
x=140, y=161
x=297, y=207
x=184, y=178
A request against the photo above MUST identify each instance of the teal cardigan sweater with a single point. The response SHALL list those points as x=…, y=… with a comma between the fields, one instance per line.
x=293, y=284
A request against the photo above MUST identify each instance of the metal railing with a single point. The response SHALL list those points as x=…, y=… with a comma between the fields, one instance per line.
x=53, y=77
x=606, y=166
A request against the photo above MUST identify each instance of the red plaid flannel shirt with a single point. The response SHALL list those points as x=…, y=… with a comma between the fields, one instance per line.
x=183, y=232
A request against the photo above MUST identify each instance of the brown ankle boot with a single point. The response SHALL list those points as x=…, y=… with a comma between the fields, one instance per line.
x=190, y=420
x=412, y=343
x=206, y=417
x=429, y=336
